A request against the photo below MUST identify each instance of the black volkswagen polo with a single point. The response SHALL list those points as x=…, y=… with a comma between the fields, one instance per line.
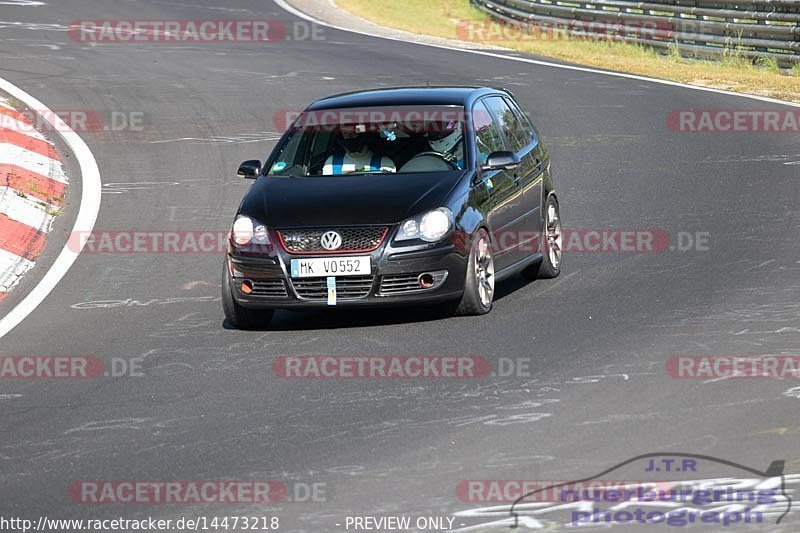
x=391, y=197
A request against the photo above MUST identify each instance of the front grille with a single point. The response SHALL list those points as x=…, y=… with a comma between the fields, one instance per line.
x=308, y=241
x=401, y=283
x=346, y=287
x=269, y=288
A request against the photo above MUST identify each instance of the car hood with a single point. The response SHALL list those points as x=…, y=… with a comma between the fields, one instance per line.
x=345, y=200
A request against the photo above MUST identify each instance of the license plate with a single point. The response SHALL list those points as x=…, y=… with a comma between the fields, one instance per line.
x=322, y=267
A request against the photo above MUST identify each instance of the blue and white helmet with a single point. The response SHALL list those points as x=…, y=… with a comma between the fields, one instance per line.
x=447, y=142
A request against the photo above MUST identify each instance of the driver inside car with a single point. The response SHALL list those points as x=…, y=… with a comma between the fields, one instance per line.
x=447, y=142
x=357, y=156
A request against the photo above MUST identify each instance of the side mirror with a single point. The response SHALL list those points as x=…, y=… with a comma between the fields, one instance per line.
x=501, y=161
x=250, y=170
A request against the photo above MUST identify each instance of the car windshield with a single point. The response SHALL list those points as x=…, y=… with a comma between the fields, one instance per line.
x=358, y=141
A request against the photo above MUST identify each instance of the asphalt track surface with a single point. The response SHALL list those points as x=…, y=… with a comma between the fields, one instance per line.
x=209, y=405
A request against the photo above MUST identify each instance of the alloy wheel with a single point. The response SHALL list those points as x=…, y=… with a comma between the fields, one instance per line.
x=555, y=238
x=484, y=272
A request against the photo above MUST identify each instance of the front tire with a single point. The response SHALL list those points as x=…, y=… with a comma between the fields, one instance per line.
x=236, y=315
x=479, y=284
x=552, y=245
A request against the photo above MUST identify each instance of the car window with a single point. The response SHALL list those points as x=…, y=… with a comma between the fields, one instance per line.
x=526, y=126
x=375, y=140
x=509, y=123
x=486, y=131
x=286, y=156
x=320, y=149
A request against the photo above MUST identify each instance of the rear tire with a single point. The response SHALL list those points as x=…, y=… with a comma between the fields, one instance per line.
x=552, y=245
x=236, y=315
x=479, y=284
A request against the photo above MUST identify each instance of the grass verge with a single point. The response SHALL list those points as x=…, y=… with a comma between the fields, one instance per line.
x=441, y=17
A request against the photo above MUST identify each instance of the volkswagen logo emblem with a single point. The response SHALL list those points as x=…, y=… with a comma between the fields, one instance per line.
x=331, y=240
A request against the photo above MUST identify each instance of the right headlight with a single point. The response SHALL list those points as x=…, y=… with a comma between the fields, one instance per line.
x=247, y=231
x=431, y=226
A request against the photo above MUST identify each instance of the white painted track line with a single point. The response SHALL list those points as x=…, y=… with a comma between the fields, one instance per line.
x=84, y=222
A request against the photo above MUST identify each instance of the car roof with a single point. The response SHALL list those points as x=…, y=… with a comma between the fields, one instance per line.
x=398, y=96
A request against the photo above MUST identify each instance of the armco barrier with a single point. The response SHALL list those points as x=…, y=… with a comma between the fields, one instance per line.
x=699, y=28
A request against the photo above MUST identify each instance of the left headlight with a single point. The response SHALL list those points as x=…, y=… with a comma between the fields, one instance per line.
x=248, y=231
x=431, y=226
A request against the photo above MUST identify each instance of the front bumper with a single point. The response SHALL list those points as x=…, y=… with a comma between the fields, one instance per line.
x=391, y=282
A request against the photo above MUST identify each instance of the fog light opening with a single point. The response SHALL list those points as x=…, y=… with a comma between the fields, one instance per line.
x=247, y=286
x=426, y=280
